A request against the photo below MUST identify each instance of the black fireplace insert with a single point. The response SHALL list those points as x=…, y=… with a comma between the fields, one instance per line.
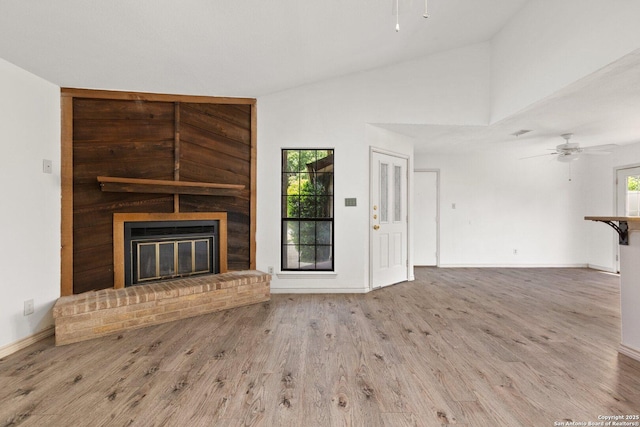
x=161, y=250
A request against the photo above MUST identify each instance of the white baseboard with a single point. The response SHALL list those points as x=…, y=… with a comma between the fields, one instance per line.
x=601, y=268
x=513, y=265
x=26, y=342
x=307, y=290
x=306, y=275
x=630, y=352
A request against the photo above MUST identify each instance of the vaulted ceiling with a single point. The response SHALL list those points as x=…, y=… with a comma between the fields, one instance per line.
x=231, y=48
x=599, y=109
x=256, y=47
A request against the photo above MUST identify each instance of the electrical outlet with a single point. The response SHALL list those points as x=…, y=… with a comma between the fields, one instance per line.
x=47, y=166
x=270, y=269
x=28, y=307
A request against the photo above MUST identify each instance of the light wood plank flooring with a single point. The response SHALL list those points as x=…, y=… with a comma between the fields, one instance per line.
x=464, y=347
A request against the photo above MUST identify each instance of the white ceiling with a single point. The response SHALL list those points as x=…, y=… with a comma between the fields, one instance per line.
x=231, y=47
x=602, y=108
x=256, y=47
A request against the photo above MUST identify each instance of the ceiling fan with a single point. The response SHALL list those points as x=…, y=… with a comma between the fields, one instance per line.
x=570, y=151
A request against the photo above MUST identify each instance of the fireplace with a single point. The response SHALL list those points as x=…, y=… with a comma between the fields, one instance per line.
x=160, y=250
x=154, y=247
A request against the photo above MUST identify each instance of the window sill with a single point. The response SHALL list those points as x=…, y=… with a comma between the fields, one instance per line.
x=307, y=275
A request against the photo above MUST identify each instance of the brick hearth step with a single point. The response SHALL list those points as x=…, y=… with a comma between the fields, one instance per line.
x=109, y=311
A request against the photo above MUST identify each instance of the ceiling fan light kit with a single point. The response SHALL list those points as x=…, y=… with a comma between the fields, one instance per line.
x=569, y=157
x=397, y=8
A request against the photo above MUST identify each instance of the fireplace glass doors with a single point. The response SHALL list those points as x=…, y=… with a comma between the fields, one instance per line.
x=159, y=250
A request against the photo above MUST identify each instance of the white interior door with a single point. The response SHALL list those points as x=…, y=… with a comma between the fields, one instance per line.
x=627, y=196
x=425, y=218
x=389, y=226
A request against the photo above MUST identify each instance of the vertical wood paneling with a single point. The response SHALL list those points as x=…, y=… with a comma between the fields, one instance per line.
x=66, y=174
x=133, y=139
x=150, y=136
x=254, y=184
x=215, y=146
x=176, y=156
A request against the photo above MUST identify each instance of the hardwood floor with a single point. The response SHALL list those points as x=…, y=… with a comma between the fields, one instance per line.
x=464, y=347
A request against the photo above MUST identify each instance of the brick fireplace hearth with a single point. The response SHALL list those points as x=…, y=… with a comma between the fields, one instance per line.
x=108, y=311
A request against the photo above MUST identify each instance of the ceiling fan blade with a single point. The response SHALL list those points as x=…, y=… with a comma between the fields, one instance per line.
x=538, y=155
x=600, y=147
x=597, y=153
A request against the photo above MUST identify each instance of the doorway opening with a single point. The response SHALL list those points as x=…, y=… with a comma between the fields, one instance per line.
x=426, y=218
x=627, y=197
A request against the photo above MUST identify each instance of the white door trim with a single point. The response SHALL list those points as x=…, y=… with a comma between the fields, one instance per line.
x=437, y=172
x=616, y=208
x=372, y=187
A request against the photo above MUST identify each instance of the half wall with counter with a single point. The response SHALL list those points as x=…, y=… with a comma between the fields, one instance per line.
x=628, y=229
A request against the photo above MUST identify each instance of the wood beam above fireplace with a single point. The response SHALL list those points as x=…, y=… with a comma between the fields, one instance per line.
x=158, y=186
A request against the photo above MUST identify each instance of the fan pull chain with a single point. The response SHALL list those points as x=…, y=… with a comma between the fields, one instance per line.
x=426, y=9
x=569, y=172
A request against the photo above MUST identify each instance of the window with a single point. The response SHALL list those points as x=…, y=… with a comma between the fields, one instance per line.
x=633, y=195
x=307, y=209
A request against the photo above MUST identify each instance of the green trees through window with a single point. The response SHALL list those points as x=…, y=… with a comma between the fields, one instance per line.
x=307, y=209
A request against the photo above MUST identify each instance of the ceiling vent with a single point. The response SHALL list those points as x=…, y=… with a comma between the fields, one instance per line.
x=521, y=132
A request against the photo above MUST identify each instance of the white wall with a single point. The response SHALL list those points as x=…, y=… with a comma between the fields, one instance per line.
x=550, y=44
x=30, y=214
x=446, y=88
x=504, y=204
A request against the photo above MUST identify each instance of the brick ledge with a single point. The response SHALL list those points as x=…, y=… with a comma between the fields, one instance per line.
x=108, y=311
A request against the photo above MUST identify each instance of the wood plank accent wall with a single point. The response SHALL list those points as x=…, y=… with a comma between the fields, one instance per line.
x=150, y=136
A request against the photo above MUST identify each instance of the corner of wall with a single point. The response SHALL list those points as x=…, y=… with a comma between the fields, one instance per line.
x=30, y=119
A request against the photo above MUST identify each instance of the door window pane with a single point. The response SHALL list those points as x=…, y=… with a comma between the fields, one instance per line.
x=397, y=194
x=384, y=192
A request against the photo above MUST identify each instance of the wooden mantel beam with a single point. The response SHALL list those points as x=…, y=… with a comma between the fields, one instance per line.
x=138, y=185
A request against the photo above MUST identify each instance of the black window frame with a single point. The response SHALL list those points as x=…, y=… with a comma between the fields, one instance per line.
x=320, y=244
